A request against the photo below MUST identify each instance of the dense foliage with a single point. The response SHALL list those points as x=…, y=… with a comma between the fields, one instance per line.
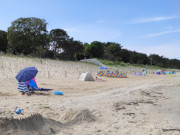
x=29, y=36
x=3, y=41
x=57, y=40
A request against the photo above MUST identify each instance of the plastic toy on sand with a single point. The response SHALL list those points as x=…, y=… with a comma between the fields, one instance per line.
x=58, y=93
x=18, y=111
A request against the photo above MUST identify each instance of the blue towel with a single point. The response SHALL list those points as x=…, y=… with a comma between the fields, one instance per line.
x=23, y=87
x=32, y=84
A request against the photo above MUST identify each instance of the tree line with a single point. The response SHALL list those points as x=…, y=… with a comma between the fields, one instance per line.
x=29, y=36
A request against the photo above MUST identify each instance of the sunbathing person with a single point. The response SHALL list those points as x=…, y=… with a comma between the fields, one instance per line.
x=98, y=78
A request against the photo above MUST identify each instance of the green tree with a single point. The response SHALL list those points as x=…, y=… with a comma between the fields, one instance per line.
x=96, y=49
x=138, y=58
x=3, y=41
x=156, y=59
x=174, y=63
x=74, y=49
x=125, y=55
x=58, y=38
x=25, y=35
x=112, y=52
x=86, y=51
x=160, y=61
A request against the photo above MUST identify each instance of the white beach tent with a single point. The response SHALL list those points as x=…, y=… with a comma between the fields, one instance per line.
x=86, y=77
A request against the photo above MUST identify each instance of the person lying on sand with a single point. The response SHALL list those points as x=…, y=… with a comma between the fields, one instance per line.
x=98, y=78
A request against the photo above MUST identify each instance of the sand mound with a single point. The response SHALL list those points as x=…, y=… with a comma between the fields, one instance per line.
x=35, y=124
x=72, y=117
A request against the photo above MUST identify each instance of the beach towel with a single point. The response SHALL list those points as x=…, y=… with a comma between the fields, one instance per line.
x=23, y=87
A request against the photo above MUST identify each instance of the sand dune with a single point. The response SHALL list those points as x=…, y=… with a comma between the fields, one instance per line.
x=137, y=105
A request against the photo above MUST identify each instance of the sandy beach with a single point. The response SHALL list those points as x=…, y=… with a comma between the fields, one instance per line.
x=137, y=105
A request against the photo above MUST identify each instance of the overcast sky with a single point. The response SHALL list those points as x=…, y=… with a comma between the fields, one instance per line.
x=148, y=26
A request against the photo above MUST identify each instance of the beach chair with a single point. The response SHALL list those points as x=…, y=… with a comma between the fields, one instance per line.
x=22, y=87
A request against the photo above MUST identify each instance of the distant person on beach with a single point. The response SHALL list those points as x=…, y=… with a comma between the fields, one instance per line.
x=146, y=68
x=144, y=72
x=97, y=78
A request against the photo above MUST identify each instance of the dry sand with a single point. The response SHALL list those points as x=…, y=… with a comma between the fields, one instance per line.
x=137, y=105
